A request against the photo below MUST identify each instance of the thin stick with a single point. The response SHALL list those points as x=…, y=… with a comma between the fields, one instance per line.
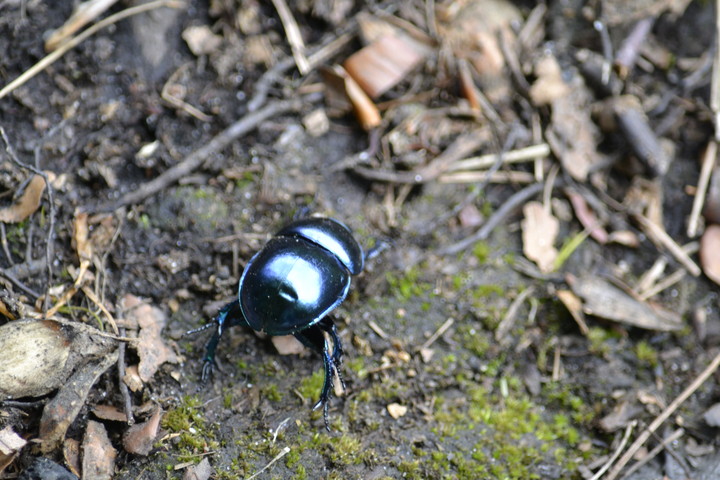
x=616, y=453
x=654, y=452
x=659, y=235
x=495, y=177
x=443, y=328
x=715, y=82
x=70, y=44
x=297, y=45
x=196, y=159
x=84, y=13
x=282, y=453
x=708, y=162
x=513, y=156
x=667, y=282
x=642, y=438
x=510, y=204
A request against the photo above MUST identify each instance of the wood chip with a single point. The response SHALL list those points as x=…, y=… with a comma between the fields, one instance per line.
x=98, y=459
x=27, y=204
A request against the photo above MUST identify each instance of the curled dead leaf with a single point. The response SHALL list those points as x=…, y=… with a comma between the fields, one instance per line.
x=27, y=204
x=140, y=437
x=98, y=459
x=710, y=252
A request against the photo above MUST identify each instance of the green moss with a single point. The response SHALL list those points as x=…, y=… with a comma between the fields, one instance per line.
x=407, y=286
x=310, y=386
x=481, y=251
x=271, y=392
x=188, y=420
x=476, y=342
x=646, y=354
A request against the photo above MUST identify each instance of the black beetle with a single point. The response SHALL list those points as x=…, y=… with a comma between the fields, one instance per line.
x=289, y=288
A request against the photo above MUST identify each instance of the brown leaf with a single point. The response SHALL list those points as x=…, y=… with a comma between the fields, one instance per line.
x=341, y=84
x=287, y=345
x=151, y=347
x=607, y=301
x=62, y=410
x=201, y=471
x=384, y=63
x=540, y=229
x=710, y=252
x=27, y=204
x=109, y=412
x=10, y=445
x=98, y=462
x=140, y=437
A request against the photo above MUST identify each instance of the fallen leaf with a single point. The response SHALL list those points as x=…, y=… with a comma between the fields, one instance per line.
x=621, y=415
x=71, y=454
x=540, y=229
x=607, y=301
x=140, y=437
x=60, y=412
x=384, y=63
x=109, y=412
x=40, y=355
x=574, y=306
x=341, y=85
x=151, y=347
x=27, y=204
x=201, y=471
x=396, y=410
x=98, y=459
x=10, y=445
x=287, y=345
x=710, y=252
x=549, y=85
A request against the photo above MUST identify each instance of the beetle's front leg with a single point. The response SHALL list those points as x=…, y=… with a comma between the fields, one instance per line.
x=314, y=338
x=228, y=316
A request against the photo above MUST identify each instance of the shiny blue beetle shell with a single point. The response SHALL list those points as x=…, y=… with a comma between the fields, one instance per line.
x=332, y=236
x=301, y=275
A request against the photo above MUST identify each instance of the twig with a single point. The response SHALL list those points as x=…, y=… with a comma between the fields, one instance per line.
x=708, y=162
x=196, y=159
x=642, y=438
x=525, y=154
x=462, y=146
x=654, y=452
x=508, y=320
x=376, y=328
x=659, y=235
x=668, y=282
x=51, y=223
x=510, y=204
x=297, y=45
x=443, y=328
x=94, y=298
x=488, y=177
x=282, y=453
x=51, y=58
x=127, y=400
x=630, y=47
x=616, y=453
x=84, y=13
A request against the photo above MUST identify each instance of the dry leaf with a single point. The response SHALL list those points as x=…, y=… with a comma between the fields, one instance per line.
x=574, y=306
x=384, y=63
x=201, y=471
x=40, y=355
x=27, y=204
x=540, y=229
x=151, y=347
x=287, y=345
x=710, y=252
x=71, y=454
x=60, y=412
x=549, y=85
x=98, y=459
x=109, y=412
x=607, y=301
x=396, y=410
x=140, y=437
x=341, y=84
x=587, y=217
x=10, y=445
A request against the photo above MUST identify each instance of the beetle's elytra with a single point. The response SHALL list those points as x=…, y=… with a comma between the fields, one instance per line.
x=290, y=286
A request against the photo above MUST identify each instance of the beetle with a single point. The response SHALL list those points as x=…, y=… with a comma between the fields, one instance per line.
x=290, y=287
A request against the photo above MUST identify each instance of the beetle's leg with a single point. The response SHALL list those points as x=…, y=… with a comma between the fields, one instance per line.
x=328, y=326
x=314, y=338
x=228, y=316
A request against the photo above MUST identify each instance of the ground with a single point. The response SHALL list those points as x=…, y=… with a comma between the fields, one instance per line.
x=458, y=364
